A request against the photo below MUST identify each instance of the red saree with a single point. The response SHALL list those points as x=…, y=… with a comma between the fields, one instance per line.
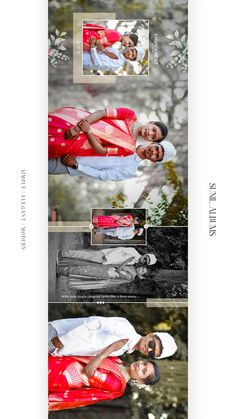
x=69, y=388
x=113, y=132
x=109, y=221
x=106, y=36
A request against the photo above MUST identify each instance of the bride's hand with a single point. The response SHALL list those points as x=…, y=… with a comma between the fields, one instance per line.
x=92, y=41
x=90, y=368
x=72, y=133
x=84, y=125
x=99, y=45
x=112, y=272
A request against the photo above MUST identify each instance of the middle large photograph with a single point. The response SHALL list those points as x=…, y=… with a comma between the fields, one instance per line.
x=79, y=271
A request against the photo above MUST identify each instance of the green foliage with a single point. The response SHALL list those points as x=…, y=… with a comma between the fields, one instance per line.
x=165, y=212
x=61, y=197
x=180, y=52
x=117, y=201
x=55, y=46
x=132, y=7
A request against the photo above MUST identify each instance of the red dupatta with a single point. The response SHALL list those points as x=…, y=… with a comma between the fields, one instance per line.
x=106, y=36
x=109, y=221
x=113, y=132
x=72, y=398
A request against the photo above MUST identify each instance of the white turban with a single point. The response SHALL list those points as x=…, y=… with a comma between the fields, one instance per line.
x=152, y=258
x=140, y=53
x=140, y=232
x=168, y=344
x=169, y=151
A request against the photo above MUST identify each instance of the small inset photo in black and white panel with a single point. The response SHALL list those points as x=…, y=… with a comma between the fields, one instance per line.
x=115, y=47
x=118, y=226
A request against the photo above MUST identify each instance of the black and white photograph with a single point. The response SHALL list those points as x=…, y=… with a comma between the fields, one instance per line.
x=80, y=272
x=119, y=226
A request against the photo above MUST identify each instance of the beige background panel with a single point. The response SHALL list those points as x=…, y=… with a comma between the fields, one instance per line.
x=167, y=302
x=78, y=48
x=69, y=227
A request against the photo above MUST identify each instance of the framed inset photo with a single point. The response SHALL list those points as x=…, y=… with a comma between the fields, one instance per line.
x=119, y=226
x=112, y=47
x=115, y=47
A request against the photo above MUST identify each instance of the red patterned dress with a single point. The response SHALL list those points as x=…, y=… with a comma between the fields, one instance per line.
x=114, y=132
x=110, y=221
x=69, y=387
x=107, y=36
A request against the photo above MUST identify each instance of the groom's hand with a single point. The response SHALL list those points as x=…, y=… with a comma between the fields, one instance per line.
x=116, y=346
x=69, y=161
x=95, y=361
x=57, y=343
x=99, y=45
x=92, y=41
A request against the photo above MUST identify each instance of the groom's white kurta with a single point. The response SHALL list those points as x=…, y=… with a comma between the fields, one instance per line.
x=118, y=255
x=114, y=255
x=122, y=233
x=90, y=335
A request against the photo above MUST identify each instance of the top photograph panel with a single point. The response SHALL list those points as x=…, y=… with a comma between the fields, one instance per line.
x=118, y=140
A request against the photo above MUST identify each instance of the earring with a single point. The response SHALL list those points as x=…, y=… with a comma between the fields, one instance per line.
x=139, y=385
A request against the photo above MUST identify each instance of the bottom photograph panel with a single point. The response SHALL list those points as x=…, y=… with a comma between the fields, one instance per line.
x=117, y=360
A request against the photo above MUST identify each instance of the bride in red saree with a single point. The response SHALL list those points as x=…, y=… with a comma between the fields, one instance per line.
x=71, y=386
x=111, y=127
x=110, y=221
x=106, y=36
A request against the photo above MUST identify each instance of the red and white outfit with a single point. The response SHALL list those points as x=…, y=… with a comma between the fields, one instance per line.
x=113, y=131
x=110, y=221
x=69, y=387
x=107, y=36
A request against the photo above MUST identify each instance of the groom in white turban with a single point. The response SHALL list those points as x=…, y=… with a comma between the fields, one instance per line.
x=89, y=336
x=110, y=59
x=106, y=256
x=113, y=168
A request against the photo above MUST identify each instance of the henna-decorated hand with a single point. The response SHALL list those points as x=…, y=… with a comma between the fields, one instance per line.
x=84, y=125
